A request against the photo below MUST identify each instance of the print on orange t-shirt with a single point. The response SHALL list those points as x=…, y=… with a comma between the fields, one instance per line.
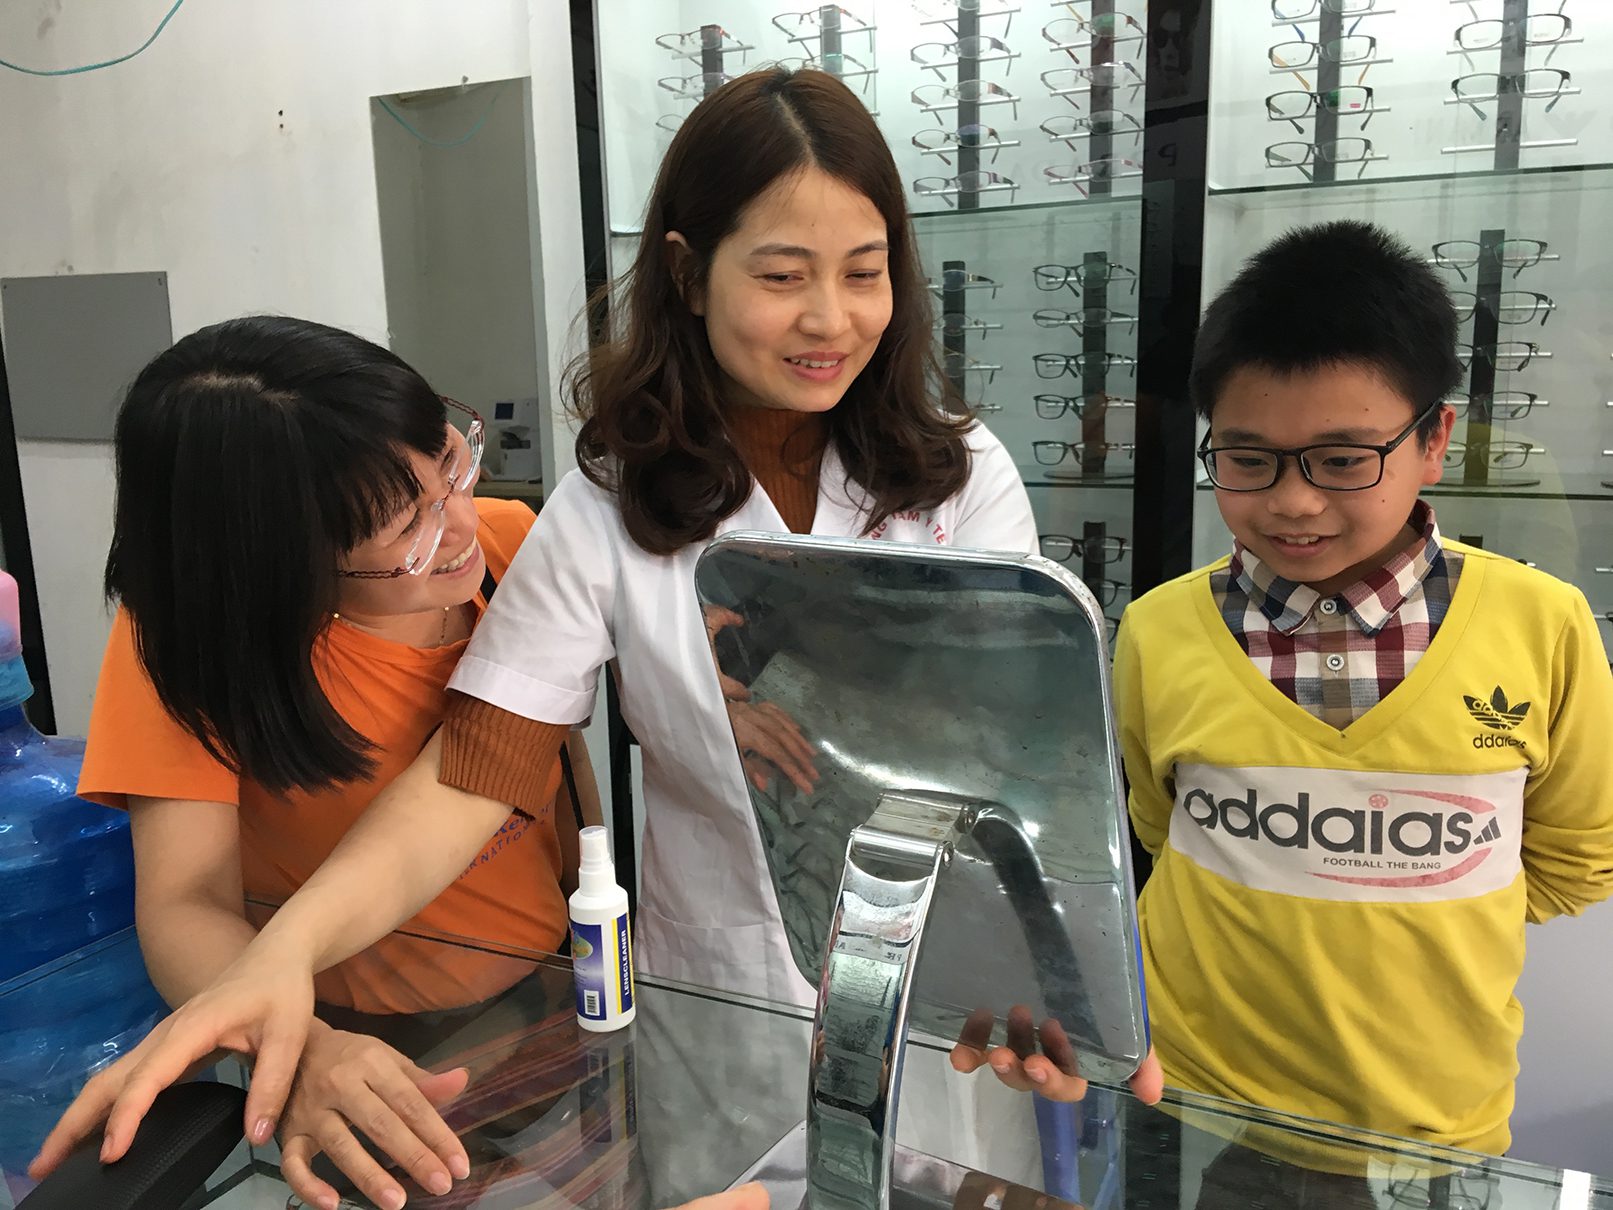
x=394, y=695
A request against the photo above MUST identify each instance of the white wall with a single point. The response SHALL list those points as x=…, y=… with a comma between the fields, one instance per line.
x=235, y=155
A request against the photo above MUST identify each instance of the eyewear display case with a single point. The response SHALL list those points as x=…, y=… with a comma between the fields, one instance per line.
x=1084, y=175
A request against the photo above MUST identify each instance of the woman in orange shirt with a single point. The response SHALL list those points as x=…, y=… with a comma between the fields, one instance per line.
x=299, y=562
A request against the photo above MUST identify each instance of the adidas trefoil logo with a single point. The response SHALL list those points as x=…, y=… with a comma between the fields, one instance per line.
x=1496, y=714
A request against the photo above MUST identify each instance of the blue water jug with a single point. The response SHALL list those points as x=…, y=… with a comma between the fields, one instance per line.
x=74, y=994
x=66, y=865
x=60, y=1023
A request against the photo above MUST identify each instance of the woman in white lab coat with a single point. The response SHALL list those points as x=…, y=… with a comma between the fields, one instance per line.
x=777, y=300
x=772, y=369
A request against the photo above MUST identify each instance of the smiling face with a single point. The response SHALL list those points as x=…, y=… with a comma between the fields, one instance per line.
x=798, y=295
x=457, y=565
x=1325, y=539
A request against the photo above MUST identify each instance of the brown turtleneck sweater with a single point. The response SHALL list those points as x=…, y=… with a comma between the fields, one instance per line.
x=503, y=756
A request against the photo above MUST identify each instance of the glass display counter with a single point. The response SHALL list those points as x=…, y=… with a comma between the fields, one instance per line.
x=691, y=1098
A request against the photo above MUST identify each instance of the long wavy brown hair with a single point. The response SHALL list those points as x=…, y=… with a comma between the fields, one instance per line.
x=649, y=397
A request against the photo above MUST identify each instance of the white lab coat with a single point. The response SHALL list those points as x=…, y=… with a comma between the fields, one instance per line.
x=581, y=592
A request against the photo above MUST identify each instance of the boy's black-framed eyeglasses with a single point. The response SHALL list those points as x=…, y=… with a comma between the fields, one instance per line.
x=1331, y=466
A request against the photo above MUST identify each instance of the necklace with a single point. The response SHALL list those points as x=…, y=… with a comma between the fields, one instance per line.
x=442, y=635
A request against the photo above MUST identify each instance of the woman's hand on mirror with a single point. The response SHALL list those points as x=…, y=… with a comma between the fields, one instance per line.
x=770, y=739
x=1052, y=1070
x=719, y=619
x=348, y=1080
x=259, y=1006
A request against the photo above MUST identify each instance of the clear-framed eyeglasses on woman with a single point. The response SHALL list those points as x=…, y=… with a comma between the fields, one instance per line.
x=424, y=536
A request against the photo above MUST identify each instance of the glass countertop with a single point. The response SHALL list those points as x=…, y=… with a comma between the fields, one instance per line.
x=703, y=1086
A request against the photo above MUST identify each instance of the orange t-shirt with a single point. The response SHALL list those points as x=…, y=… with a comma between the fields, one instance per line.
x=395, y=696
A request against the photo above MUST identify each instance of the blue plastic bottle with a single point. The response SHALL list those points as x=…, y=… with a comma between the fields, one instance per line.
x=74, y=994
x=66, y=865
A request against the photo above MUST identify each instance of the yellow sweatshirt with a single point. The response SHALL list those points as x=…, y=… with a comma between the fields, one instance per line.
x=1335, y=922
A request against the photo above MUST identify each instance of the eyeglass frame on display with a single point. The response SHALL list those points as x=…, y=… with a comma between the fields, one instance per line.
x=971, y=281
x=1003, y=53
x=1090, y=29
x=1561, y=40
x=1461, y=402
x=416, y=562
x=1104, y=585
x=1318, y=50
x=1129, y=448
x=1522, y=449
x=1074, y=273
x=1313, y=64
x=1135, y=129
x=1315, y=103
x=1543, y=306
x=1078, y=547
x=953, y=141
x=966, y=324
x=1304, y=166
x=996, y=183
x=979, y=15
x=861, y=26
x=1136, y=82
x=1079, y=404
x=1319, y=6
x=1077, y=320
x=1492, y=354
x=1564, y=88
x=996, y=94
x=1445, y=261
x=1297, y=454
x=973, y=365
x=1055, y=174
x=687, y=35
x=680, y=89
x=1071, y=366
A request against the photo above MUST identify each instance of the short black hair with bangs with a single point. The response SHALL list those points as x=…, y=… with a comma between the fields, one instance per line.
x=1339, y=293
x=251, y=457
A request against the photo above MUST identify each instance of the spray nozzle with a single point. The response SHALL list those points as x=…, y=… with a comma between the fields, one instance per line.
x=597, y=870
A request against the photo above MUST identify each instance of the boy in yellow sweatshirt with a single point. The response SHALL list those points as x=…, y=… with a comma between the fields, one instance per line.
x=1363, y=755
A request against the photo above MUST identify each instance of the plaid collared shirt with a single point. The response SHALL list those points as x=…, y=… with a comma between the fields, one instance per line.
x=1339, y=656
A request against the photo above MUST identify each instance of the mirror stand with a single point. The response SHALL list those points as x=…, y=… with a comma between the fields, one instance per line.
x=860, y=1032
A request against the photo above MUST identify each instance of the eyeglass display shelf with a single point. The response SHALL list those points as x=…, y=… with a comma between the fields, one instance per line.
x=1466, y=177
x=1112, y=483
x=1105, y=199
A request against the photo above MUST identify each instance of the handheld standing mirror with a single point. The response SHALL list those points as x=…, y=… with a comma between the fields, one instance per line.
x=968, y=797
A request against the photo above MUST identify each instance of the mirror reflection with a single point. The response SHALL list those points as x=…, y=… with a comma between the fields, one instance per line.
x=871, y=669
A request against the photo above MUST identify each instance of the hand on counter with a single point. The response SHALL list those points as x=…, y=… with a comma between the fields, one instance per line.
x=255, y=1008
x=1052, y=1071
x=348, y=1080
